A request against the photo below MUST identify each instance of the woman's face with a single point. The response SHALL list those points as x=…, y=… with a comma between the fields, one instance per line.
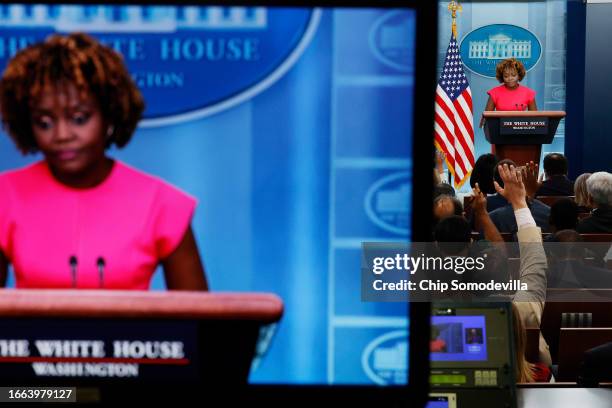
x=511, y=77
x=69, y=131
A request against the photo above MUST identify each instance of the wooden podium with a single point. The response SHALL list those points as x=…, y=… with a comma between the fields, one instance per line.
x=122, y=344
x=519, y=135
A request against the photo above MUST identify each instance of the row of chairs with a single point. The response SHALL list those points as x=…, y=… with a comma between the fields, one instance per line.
x=514, y=265
x=548, y=200
x=572, y=344
x=570, y=329
x=510, y=237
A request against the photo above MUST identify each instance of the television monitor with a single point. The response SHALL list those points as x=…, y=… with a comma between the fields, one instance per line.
x=303, y=129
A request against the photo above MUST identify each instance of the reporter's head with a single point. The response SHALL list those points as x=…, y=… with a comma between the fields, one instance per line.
x=453, y=235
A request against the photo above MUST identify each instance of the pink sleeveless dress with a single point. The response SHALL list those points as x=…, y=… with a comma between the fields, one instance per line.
x=131, y=221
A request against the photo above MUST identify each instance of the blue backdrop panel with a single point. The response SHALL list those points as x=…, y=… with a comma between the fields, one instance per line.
x=380, y=212
x=385, y=106
x=375, y=354
x=348, y=296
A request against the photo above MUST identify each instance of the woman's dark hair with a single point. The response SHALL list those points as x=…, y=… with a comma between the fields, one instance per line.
x=76, y=59
x=453, y=234
x=444, y=189
x=564, y=214
x=510, y=63
x=483, y=173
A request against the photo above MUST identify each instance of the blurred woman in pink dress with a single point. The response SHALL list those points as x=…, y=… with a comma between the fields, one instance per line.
x=78, y=218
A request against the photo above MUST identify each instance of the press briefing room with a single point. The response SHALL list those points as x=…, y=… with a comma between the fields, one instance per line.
x=271, y=164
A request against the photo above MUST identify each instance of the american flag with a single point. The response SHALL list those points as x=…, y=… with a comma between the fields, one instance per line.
x=454, y=130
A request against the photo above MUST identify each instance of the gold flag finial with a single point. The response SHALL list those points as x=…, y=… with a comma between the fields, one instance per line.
x=454, y=7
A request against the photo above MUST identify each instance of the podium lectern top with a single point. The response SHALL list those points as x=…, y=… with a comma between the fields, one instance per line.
x=531, y=114
x=140, y=304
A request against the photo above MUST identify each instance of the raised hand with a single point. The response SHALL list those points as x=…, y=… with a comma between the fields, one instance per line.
x=440, y=158
x=479, y=202
x=514, y=189
x=530, y=178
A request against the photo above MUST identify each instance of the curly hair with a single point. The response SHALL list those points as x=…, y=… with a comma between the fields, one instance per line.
x=510, y=63
x=78, y=59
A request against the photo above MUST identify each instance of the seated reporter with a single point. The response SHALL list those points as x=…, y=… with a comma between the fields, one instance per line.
x=556, y=183
x=563, y=215
x=503, y=217
x=80, y=218
x=582, y=196
x=599, y=189
x=529, y=304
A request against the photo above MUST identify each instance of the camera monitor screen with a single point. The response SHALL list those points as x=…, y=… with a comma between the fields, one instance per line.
x=442, y=400
x=293, y=128
x=458, y=338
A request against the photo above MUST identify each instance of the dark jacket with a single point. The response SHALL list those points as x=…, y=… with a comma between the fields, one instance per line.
x=504, y=220
x=495, y=201
x=600, y=222
x=556, y=186
x=595, y=366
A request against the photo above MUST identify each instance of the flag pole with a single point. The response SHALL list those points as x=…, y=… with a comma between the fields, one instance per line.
x=453, y=112
x=453, y=7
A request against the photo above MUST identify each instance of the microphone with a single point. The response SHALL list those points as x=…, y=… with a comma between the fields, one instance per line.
x=72, y=261
x=101, y=265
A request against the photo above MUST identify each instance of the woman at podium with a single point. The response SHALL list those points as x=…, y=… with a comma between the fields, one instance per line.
x=79, y=218
x=510, y=95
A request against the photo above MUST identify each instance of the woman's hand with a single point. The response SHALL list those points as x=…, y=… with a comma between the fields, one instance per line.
x=3, y=269
x=530, y=178
x=479, y=202
x=532, y=106
x=490, y=107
